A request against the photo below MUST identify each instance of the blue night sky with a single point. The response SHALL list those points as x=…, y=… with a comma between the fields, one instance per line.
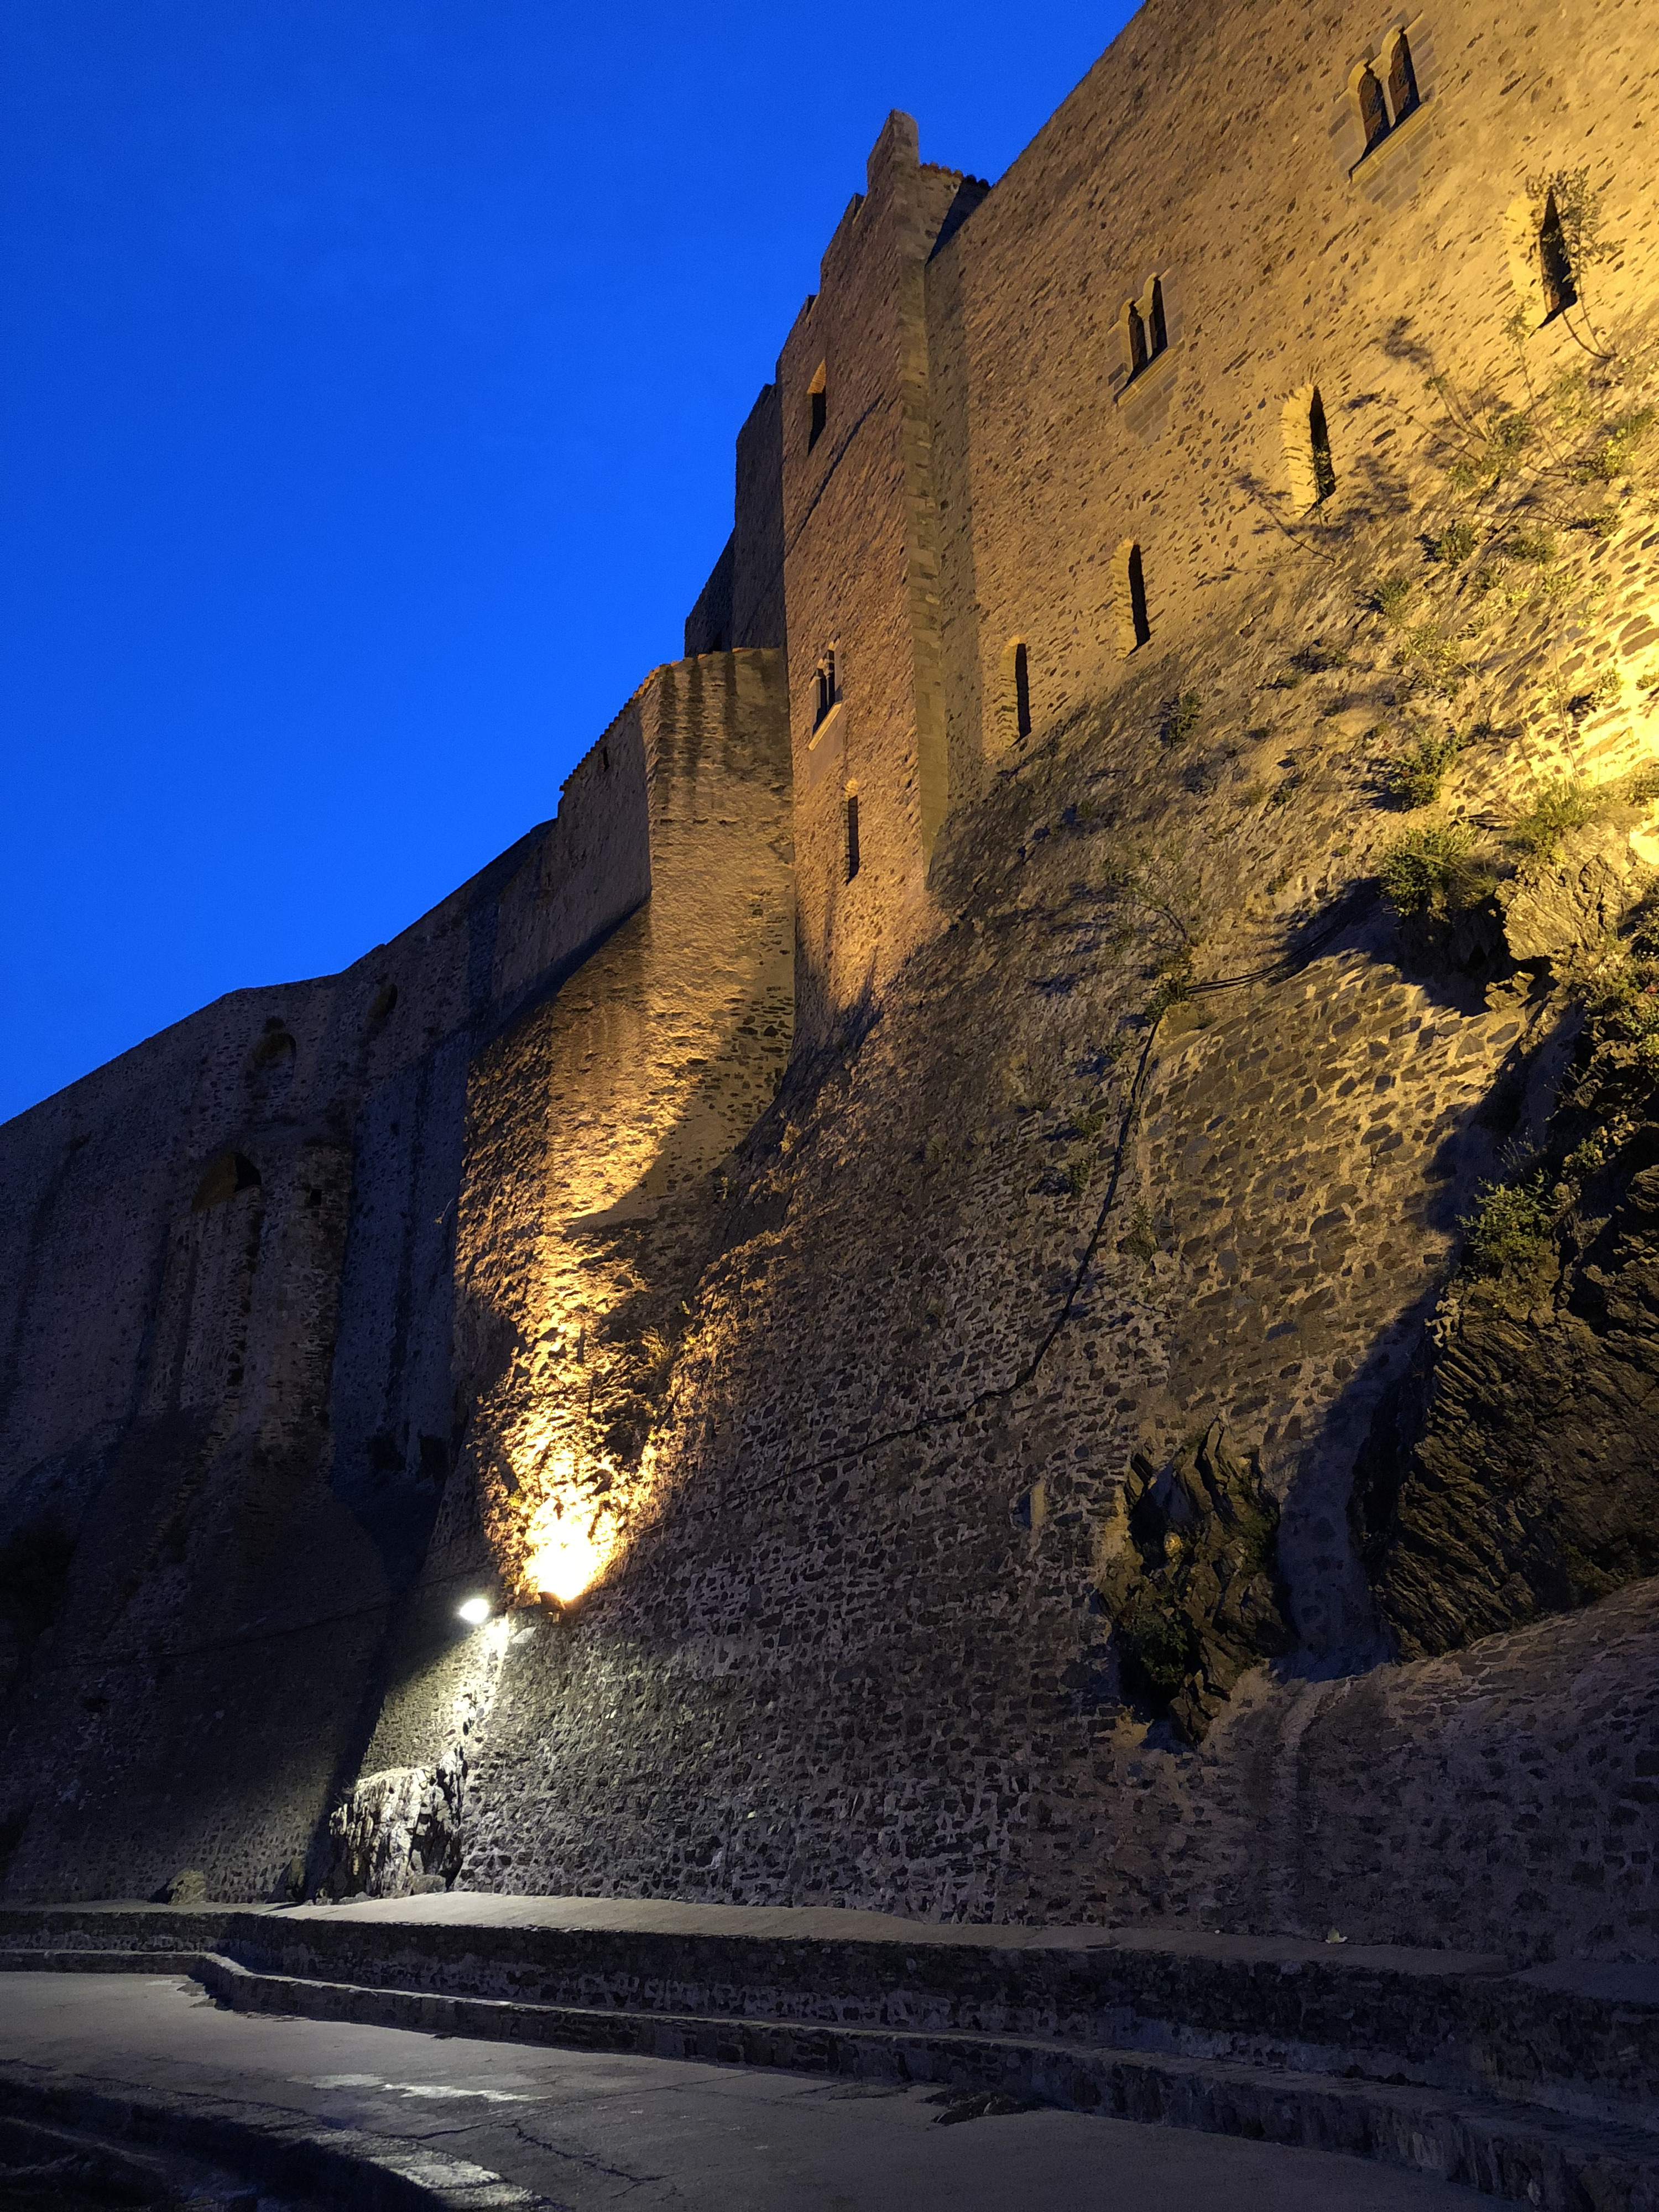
x=370, y=376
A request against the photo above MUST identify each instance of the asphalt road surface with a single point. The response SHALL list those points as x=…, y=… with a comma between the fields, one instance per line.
x=594, y=2131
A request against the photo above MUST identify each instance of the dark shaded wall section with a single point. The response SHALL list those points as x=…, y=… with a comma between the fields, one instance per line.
x=742, y=605
x=227, y=1415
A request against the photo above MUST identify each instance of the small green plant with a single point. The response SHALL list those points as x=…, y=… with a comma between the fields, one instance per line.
x=1572, y=402
x=1530, y=545
x=1605, y=691
x=1438, y=654
x=1161, y=1645
x=1434, y=872
x=1455, y=544
x=1318, y=659
x=1413, y=778
x=1628, y=1010
x=1509, y=1227
x=1611, y=457
x=1393, y=596
x=1173, y=983
x=1140, y=1241
x=1563, y=804
x=1578, y=210
x=1495, y=450
x=1602, y=526
x=1081, y=1172
x=1585, y=1159
x=1181, y=717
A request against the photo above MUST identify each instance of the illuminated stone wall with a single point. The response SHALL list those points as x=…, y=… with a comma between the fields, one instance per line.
x=229, y=1412
x=598, y=1127
x=1124, y=1104
x=1128, y=1129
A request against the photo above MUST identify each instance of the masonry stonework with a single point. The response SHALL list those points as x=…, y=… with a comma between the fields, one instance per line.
x=1088, y=1357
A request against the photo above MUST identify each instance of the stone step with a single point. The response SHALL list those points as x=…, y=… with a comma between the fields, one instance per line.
x=1509, y=2149
x=1506, y=2149
x=1580, y=2039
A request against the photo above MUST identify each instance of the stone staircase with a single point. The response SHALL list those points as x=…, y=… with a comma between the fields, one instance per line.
x=1540, y=2086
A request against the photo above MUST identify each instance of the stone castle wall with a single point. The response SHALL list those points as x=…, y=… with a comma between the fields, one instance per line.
x=1123, y=1105
x=232, y=1407
x=961, y=1476
x=591, y=1191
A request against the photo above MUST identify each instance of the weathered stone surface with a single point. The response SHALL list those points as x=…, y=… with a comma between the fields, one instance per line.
x=1516, y=1472
x=230, y=1408
x=1119, y=1107
x=1188, y=1570
x=398, y=1833
x=1578, y=898
x=1536, y=1486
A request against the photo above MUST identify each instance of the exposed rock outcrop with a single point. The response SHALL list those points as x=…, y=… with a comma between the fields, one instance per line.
x=1577, y=897
x=1516, y=1472
x=1188, y=1569
x=399, y=1832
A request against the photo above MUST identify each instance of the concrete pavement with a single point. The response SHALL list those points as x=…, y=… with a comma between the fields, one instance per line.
x=585, y=2131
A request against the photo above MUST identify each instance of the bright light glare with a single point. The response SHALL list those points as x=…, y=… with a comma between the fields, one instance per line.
x=475, y=1612
x=564, y=1563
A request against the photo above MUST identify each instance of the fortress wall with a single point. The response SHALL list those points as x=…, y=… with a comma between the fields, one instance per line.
x=742, y=604
x=858, y=1652
x=708, y=625
x=854, y=504
x=1127, y=1130
x=597, y=1127
x=1214, y=151
x=1012, y=1223
x=758, y=612
x=229, y=1411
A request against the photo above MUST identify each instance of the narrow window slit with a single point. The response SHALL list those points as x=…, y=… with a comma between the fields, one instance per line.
x=1373, y=109
x=826, y=690
x=1138, y=621
x=1129, y=581
x=1137, y=341
x=1402, y=79
x=1157, y=335
x=1319, y=441
x=817, y=400
x=852, y=835
x=1555, y=263
x=1022, y=693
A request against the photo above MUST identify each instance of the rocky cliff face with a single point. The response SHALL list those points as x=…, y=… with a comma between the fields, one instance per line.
x=1516, y=1473
x=1188, y=1574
